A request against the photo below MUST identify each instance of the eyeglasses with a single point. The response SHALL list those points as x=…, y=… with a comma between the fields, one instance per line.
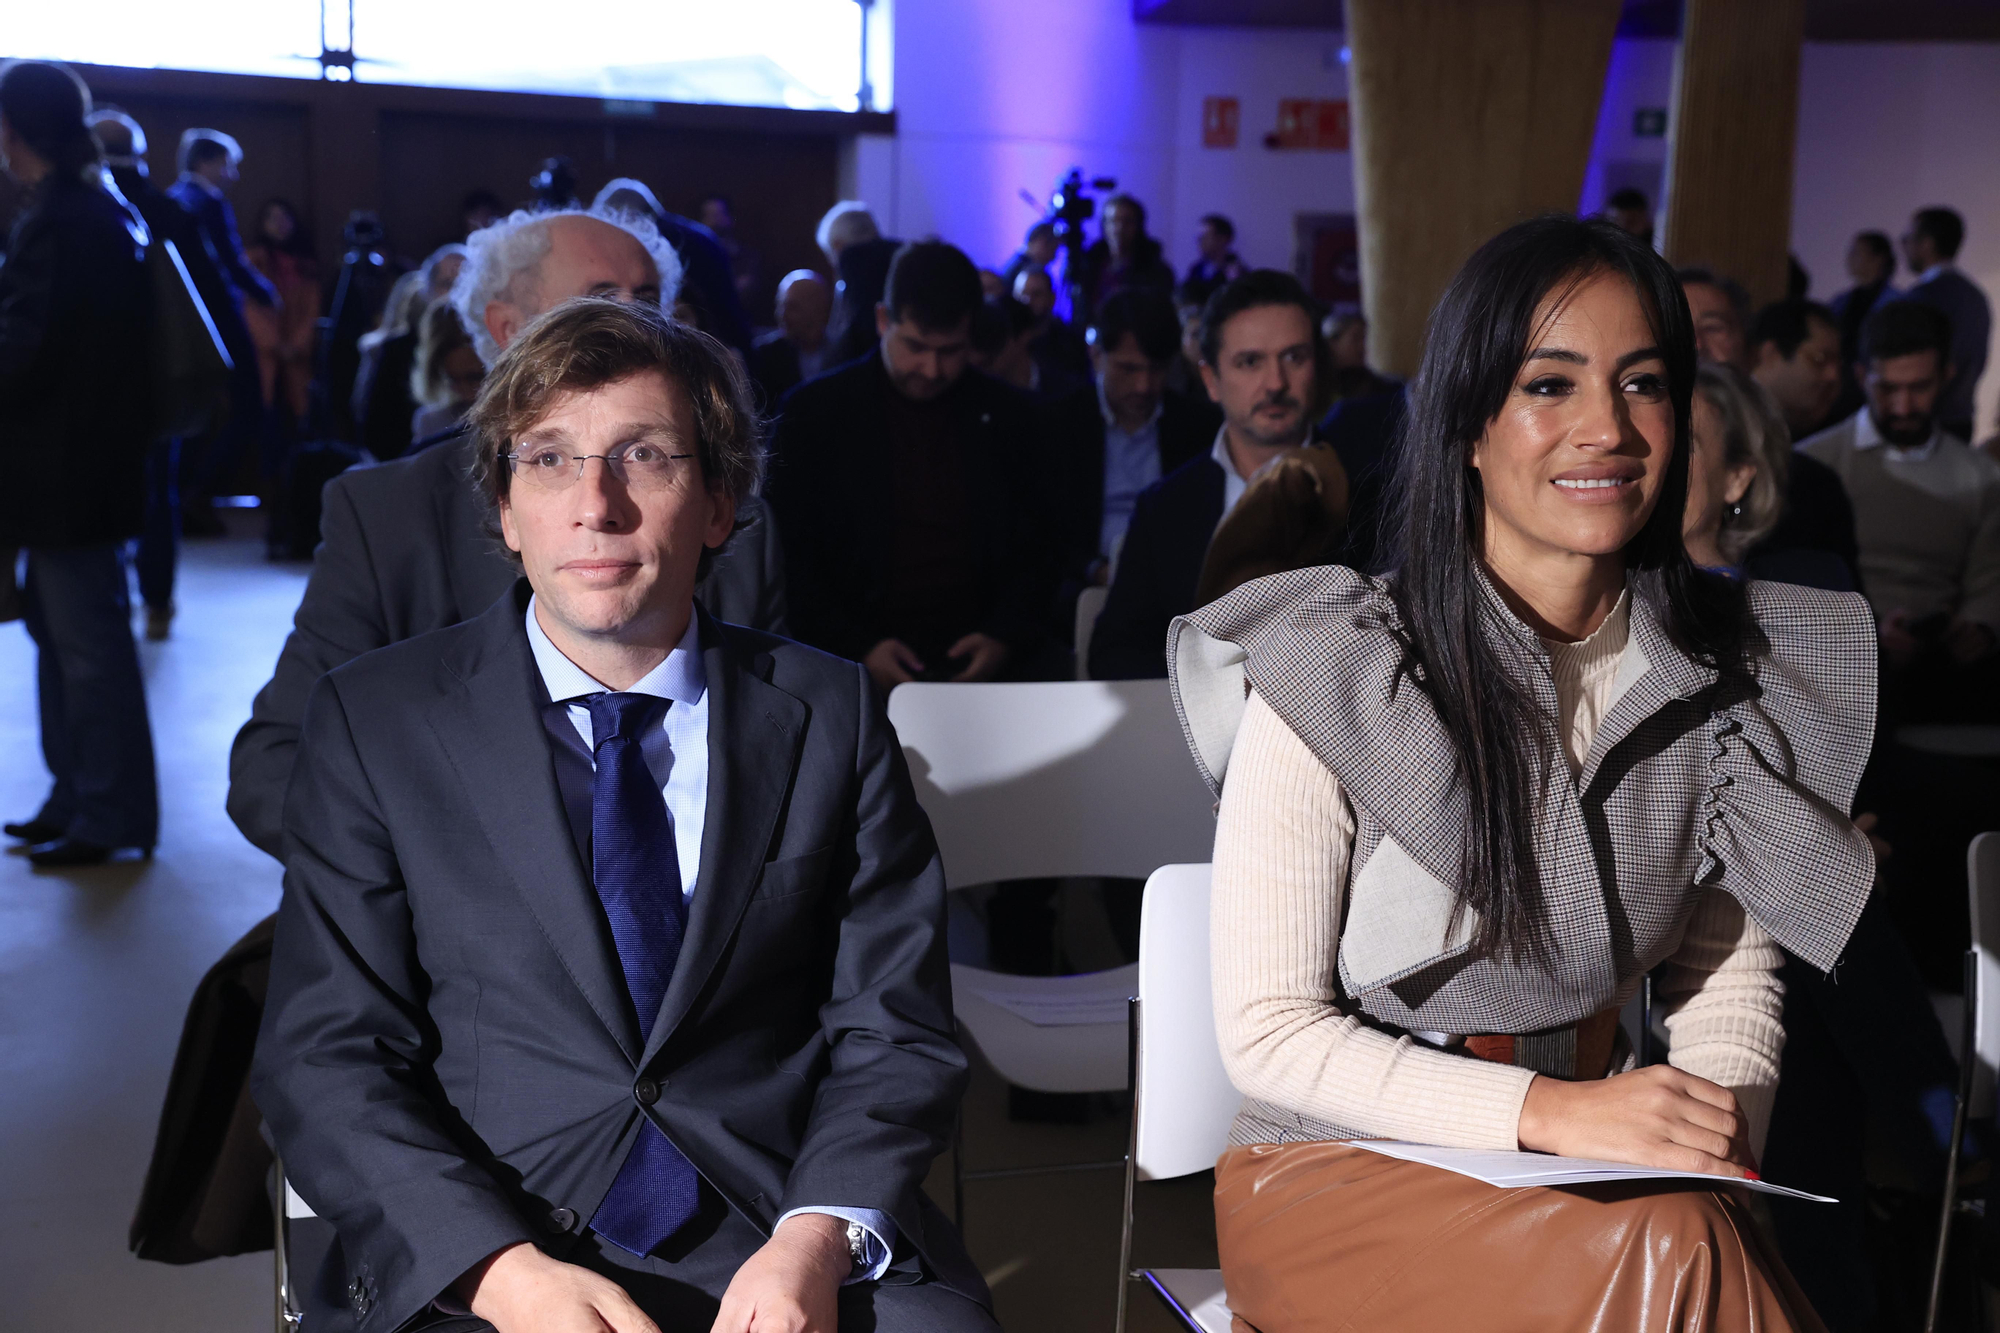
x=643, y=467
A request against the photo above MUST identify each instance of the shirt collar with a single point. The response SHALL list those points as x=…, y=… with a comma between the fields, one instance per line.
x=1866, y=436
x=1111, y=420
x=1936, y=270
x=680, y=678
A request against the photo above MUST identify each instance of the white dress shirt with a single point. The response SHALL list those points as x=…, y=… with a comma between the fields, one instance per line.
x=1234, y=483
x=677, y=755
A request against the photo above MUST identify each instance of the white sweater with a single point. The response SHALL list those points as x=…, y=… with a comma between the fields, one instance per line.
x=1281, y=865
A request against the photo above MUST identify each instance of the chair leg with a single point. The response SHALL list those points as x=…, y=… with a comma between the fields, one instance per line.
x=1966, y=1062
x=1131, y=1160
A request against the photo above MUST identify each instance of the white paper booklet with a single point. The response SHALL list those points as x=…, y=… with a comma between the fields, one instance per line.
x=1514, y=1170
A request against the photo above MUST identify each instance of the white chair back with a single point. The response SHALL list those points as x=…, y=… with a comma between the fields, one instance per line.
x=1983, y=875
x=1045, y=780
x=1089, y=605
x=1184, y=1102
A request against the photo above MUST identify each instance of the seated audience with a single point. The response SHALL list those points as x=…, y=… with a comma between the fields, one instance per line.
x=708, y=287
x=1037, y=252
x=1795, y=355
x=661, y=1091
x=448, y=372
x=406, y=547
x=1424, y=788
x=1346, y=330
x=797, y=349
x=1871, y=263
x=1216, y=262
x=1265, y=365
x=1003, y=346
x=1060, y=356
x=1184, y=375
x=1123, y=256
x=1927, y=511
x=75, y=302
x=383, y=405
x=1930, y=247
x=909, y=492
x=1721, y=310
x=859, y=256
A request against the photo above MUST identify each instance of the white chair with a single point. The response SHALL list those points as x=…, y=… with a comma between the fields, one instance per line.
x=1182, y=1100
x=1089, y=606
x=1979, y=1044
x=1045, y=781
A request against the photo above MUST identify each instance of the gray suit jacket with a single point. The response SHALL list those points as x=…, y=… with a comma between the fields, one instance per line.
x=405, y=549
x=449, y=1060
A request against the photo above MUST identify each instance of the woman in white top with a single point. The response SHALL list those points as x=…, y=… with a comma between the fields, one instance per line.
x=1469, y=807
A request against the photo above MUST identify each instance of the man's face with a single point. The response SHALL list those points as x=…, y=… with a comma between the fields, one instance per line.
x=1902, y=395
x=607, y=560
x=1121, y=228
x=219, y=172
x=1132, y=383
x=586, y=257
x=804, y=306
x=1806, y=383
x=1033, y=289
x=1263, y=375
x=923, y=362
x=1867, y=265
x=1718, y=333
x=1214, y=246
x=1918, y=250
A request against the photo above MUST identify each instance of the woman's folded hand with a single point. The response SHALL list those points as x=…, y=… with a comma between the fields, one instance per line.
x=1658, y=1117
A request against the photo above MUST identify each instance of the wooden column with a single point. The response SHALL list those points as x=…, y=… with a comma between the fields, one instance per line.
x=1469, y=115
x=1733, y=132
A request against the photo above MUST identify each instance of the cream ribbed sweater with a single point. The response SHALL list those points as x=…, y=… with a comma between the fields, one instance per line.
x=1282, y=845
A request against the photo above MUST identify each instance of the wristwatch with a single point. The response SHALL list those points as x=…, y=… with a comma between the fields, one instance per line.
x=857, y=1245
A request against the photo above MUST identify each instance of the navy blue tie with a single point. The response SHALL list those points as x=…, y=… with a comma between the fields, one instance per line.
x=638, y=879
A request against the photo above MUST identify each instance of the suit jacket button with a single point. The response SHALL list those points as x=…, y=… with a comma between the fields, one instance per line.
x=646, y=1091
x=561, y=1220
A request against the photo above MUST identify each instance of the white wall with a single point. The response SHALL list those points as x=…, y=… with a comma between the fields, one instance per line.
x=996, y=98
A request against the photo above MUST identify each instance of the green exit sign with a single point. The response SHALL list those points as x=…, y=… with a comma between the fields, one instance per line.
x=1649, y=122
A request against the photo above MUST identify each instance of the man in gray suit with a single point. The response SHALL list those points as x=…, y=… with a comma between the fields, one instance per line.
x=406, y=548
x=1930, y=247
x=609, y=987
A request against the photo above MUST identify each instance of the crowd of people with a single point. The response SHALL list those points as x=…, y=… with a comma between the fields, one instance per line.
x=921, y=465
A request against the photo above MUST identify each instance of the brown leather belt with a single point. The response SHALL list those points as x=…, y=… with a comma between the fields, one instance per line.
x=1582, y=1050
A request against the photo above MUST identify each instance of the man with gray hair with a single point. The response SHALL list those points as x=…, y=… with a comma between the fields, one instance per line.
x=860, y=255
x=406, y=547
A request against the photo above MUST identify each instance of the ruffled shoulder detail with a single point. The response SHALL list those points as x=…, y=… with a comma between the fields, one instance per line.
x=1320, y=646
x=1783, y=766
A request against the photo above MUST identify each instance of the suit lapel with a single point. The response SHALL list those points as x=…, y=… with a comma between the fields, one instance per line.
x=1652, y=673
x=754, y=734
x=491, y=729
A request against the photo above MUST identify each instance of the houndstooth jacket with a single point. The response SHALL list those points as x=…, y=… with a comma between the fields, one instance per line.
x=1693, y=780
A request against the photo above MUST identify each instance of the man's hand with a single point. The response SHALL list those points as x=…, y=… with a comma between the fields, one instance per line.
x=792, y=1284
x=892, y=662
x=1657, y=1116
x=1968, y=641
x=1898, y=644
x=521, y=1290
x=988, y=655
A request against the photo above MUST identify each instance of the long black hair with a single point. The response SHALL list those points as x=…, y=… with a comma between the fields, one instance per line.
x=1506, y=740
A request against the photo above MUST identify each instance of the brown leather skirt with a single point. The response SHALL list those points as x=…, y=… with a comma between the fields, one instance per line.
x=1319, y=1237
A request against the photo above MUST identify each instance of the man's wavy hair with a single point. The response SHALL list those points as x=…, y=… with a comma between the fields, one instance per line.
x=591, y=341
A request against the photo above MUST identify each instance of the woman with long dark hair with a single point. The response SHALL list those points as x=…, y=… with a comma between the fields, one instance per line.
x=1471, y=805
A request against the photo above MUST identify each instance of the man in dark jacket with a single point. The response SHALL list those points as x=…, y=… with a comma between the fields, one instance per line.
x=1265, y=362
x=124, y=145
x=1116, y=436
x=907, y=487
x=1930, y=247
x=74, y=301
x=208, y=160
x=860, y=256
x=796, y=350
x=405, y=548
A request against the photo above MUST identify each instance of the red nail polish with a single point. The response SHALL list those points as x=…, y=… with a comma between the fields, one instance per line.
x=1754, y=1176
